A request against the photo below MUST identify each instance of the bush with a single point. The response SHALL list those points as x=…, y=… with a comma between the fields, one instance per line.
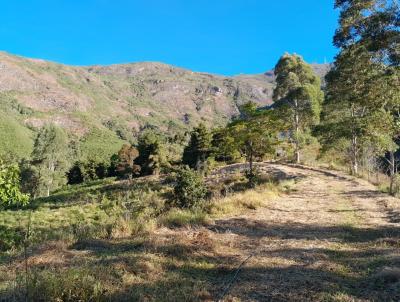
x=10, y=238
x=189, y=190
x=253, y=177
x=10, y=194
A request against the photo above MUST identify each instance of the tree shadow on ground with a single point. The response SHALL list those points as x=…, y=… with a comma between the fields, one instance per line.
x=256, y=229
x=178, y=268
x=393, y=216
x=367, y=194
x=323, y=172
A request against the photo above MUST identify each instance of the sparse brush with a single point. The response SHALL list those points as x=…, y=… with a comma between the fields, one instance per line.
x=251, y=199
x=179, y=218
x=71, y=285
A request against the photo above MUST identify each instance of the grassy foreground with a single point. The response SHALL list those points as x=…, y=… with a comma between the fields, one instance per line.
x=115, y=241
x=316, y=235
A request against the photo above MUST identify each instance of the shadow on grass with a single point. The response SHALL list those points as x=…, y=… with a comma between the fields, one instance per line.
x=258, y=229
x=323, y=172
x=74, y=194
x=272, y=173
x=179, y=268
x=299, y=282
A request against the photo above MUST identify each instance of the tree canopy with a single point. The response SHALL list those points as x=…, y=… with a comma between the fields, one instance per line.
x=298, y=97
x=50, y=157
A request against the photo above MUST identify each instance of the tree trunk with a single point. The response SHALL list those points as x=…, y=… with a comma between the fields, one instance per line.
x=354, y=144
x=52, y=168
x=354, y=155
x=392, y=172
x=297, y=132
x=251, y=176
x=251, y=162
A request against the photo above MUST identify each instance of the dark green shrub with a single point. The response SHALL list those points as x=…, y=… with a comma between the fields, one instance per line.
x=253, y=177
x=75, y=174
x=189, y=189
x=10, y=238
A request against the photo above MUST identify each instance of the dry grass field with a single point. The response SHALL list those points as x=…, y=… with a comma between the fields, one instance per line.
x=322, y=236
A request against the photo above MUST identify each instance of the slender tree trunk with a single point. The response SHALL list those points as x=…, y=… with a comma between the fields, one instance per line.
x=250, y=156
x=354, y=145
x=354, y=155
x=297, y=132
x=392, y=172
x=251, y=166
x=251, y=162
x=51, y=176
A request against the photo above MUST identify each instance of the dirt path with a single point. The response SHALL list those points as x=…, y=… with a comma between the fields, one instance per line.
x=332, y=238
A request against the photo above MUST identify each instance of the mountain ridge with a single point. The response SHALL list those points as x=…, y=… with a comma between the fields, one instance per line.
x=103, y=106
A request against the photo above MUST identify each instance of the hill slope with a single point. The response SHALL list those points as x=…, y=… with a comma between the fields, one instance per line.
x=103, y=106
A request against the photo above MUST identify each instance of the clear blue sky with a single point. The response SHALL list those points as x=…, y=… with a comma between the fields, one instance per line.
x=219, y=36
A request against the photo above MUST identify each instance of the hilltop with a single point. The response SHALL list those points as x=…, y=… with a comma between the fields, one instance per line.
x=104, y=106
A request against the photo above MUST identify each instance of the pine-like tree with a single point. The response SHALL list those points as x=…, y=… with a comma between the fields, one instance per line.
x=198, y=150
x=151, y=153
x=223, y=146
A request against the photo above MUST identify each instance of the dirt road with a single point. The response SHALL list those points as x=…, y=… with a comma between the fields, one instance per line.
x=332, y=238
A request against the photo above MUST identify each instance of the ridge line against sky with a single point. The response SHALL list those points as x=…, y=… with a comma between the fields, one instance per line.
x=226, y=37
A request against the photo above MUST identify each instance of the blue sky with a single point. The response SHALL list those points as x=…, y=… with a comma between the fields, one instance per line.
x=219, y=36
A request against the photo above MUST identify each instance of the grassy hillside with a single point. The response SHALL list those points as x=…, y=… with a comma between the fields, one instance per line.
x=102, y=106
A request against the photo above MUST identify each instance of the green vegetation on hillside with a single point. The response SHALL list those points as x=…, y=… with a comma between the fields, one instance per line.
x=15, y=138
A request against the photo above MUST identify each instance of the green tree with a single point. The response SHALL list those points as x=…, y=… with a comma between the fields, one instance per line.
x=30, y=181
x=198, y=150
x=223, y=146
x=362, y=86
x=298, y=97
x=255, y=134
x=189, y=189
x=10, y=193
x=126, y=167
x=151, y=153
x=75, y=174
x=50, y=157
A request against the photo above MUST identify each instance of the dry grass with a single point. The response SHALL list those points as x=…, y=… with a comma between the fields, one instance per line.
x=253, y=199
x=322, y=237
x=180, y=218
